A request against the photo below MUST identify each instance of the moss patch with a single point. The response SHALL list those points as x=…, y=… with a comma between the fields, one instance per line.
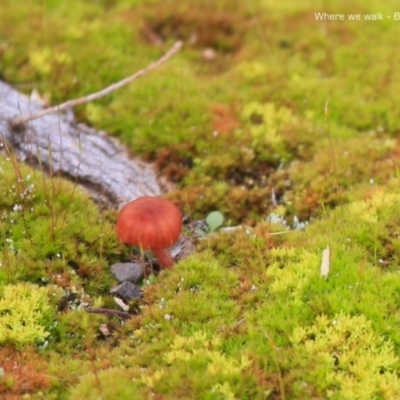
x=269, y=115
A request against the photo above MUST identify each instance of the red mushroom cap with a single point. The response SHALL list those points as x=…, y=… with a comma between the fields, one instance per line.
x=149, y=222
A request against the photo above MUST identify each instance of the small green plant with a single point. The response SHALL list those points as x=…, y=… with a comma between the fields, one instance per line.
x=214, y=220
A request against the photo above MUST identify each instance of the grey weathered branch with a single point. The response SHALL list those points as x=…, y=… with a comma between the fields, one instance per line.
x=99, y=163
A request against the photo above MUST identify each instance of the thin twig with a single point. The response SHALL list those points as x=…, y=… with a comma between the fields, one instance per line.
x=97, y=95
x=107, y=311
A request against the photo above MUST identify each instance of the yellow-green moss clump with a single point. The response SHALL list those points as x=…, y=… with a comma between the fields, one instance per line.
x=113, y=383
x=26, y=314
x=346, y=357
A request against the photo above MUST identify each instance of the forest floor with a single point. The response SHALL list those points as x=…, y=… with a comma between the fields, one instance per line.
x=281, y=116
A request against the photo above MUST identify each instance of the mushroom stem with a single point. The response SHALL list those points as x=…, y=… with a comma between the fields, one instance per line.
x=164, y=257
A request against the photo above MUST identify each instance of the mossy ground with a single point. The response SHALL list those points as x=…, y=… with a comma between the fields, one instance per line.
x=290, y=119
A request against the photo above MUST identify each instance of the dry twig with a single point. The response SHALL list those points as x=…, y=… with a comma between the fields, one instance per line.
x=97, y=95
x=107, y=311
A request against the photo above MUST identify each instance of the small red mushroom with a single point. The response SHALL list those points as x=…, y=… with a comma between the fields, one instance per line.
x=153, y=224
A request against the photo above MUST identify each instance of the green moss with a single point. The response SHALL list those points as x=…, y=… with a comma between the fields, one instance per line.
x=51, y=234
x=290, y=270
x=196, y=282
x=266, y=115
x=201, y=363
x=26, y=314
x=336, y=172
x=71, y=233
x=305, y=68
x=112, y=384
x=346, y=359
x=266, y=122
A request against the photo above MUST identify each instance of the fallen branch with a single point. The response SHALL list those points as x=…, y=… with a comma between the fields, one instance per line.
x=56, y=143
x=97, y=95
